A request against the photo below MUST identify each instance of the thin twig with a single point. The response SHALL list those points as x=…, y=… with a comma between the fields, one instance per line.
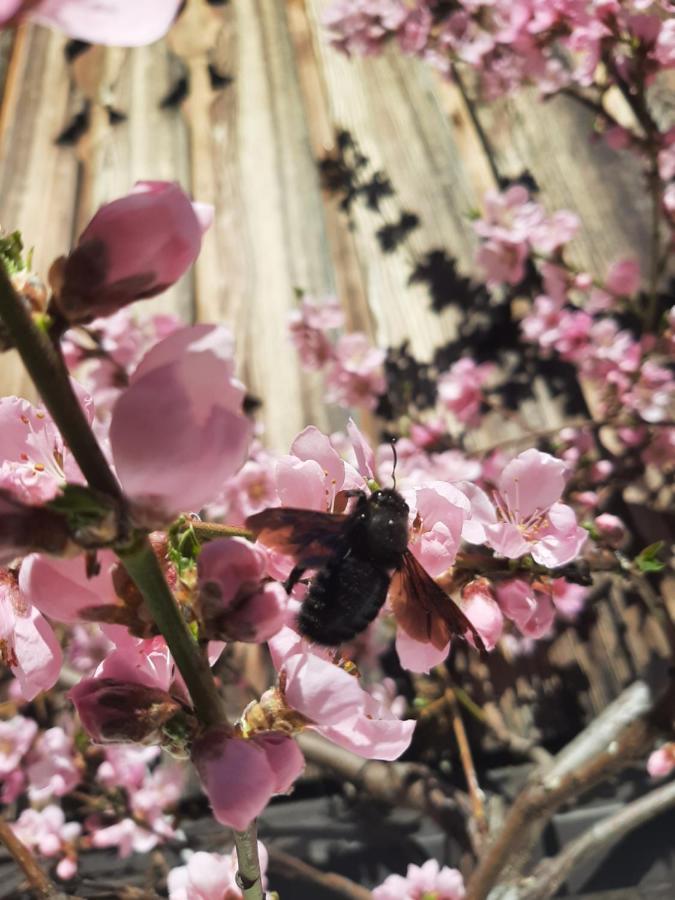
x=475, y=793
x=552, y=873
x=289, y=865
x=40, y=884
x=399, y=784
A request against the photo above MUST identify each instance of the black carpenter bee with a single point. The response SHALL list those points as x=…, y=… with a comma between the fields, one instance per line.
x=360, y=558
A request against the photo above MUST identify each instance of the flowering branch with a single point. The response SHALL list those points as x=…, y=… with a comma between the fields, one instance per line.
x=45, y=367
x=41, y=885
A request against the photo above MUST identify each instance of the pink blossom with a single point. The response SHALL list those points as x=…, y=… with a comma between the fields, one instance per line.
x=568, y=598
x=664, y=51
x=438, y=512
x=481, y=608
x=660, y=451
x=178, y=432
x=87, y=647
x=118, y=23
x=52, y=768
x=134, y=247
x=460, y=389
x=123, y=338
x=235, y=603
x=16, y=737
x=126, y=836
x=126, y=765
x=160, y=790
x=210, y=876
x=356, y=375
x=27, y=643
x=249, y=491
x=611, y=529
x=662, y=761
x=531, y=610
x=62, y=589
x=240, y=776
x=360, y=27
x=623, y=278
x=308, y=326
x=333, y=701
x=421, y=882
x=529, y=517
x=34, y=460
x=418, y=656
x=48, y=832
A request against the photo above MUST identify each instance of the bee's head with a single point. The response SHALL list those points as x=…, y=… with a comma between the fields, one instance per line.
x=389, y=499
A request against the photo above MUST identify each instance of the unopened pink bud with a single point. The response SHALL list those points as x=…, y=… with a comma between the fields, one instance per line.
x=133, y=248
x=611, y=529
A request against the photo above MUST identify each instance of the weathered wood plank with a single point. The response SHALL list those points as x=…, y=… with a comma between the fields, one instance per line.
x=38, y=179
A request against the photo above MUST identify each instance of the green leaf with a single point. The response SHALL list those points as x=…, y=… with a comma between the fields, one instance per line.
x=11, y=252
x=648, y=561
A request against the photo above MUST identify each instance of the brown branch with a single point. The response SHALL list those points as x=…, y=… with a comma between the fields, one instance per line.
x=624, y=732
x=40, y=884
x=395, y=784
x=293, y=867
x=552, y=873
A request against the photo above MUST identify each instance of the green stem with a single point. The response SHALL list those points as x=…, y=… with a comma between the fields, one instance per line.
x=144, y=568
x=211, y=531
x=249, y=878
x=46, y=369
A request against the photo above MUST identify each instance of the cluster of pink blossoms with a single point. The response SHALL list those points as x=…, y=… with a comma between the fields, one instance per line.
x=552, y=45
x=576, y=318
x=352, y=366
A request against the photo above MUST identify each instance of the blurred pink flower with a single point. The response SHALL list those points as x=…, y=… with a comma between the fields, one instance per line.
x=47, y=832
x=623, y=277
x=426, y=881
x=178, y=431
x=210, y=876
x=461, y=389
x=308, y=326
x=662, y=761
x=28, y=646
x=531, y=610
x=16, y=737
x=356, y=375
x=134, y=247
x=126, y=836
x=240, y=776
x=235, y=603
x=52, y=767
x=116, y=22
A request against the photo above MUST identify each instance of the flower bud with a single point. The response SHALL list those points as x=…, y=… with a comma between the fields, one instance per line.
x=123, y=712
x=133, y=248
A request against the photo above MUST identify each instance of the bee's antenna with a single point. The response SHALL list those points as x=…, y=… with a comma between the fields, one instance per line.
x=393, y=471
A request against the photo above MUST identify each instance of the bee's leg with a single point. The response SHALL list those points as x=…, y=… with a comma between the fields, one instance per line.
x=293, y=578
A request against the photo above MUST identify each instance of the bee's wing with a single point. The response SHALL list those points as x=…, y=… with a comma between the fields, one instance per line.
x=309, y=536
x=424, y=610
